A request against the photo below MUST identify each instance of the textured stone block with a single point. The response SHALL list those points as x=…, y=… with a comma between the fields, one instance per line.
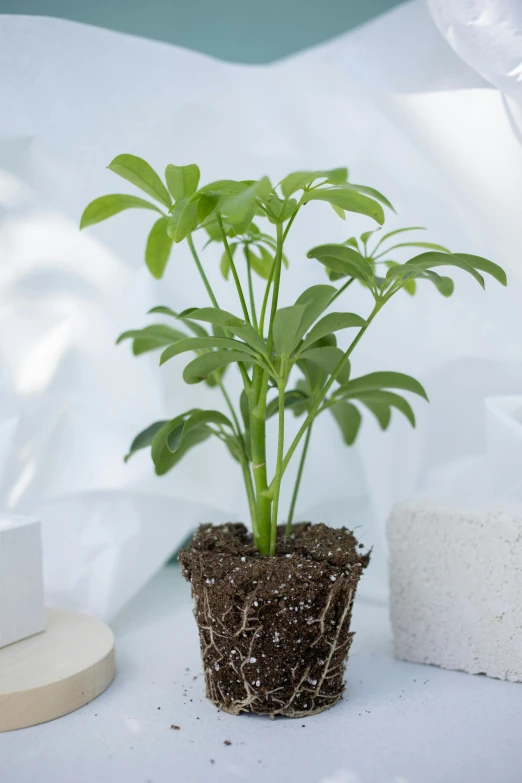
x=456, y=587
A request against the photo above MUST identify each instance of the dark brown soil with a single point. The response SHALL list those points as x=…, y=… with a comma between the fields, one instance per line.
x=274, y=631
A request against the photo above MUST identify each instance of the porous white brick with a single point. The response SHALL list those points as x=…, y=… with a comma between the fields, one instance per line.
x=456, y=587
x=22, y=610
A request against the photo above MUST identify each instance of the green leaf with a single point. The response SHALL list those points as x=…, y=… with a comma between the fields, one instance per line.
x=162, y=457
x=286, y=328
x=301, y=179
x=349, y=420
x=384, y=380
x=240, y=208
x=431, y=259
x=159, y=245
x=315, y=300
x=151, y=337
x=225, y=187
x=343, y=260
x=107, y=206
x=224, y=264
x=198, y=330
x=201, y=367
x=144, y=438
x=380, y=410
x=207, y=204
x=236, y=325
x=477, y=262
x=181, y=430
x=396, y=231
x=349, y=200
x=426, y=245
x=390, y=399
x=198, y=343
x=296, y=181
x=332, y=322
x=369, y=192
x=294, y=399
x=182, y=181
x=338, y=211
x=260, y=264
x=141, y=174
x=327, y=358
x=184, y=219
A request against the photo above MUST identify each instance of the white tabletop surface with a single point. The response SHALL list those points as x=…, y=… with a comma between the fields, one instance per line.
x=399, y=722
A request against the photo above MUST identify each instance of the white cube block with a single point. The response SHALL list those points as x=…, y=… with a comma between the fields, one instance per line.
x=22, y=610
x=456, y=587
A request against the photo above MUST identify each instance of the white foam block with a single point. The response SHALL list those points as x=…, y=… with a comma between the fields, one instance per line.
x=22, y=611
x=456, y=587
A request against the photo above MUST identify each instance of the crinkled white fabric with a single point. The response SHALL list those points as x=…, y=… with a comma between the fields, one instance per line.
x=487, y=34
x=392, y=101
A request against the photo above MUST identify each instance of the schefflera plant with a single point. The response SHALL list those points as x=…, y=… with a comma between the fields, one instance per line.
x=288, y=356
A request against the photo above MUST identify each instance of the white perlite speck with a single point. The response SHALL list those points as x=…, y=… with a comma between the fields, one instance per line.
x=456, y=587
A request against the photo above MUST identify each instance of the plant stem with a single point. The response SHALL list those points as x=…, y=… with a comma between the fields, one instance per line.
x=202, y=272
x=299, y=476
x=326, y=388
x=265, y=298
x=341, y=289
x=251, y=287
x=233, y=268
x=275, y=292
x=258, y=444
x=279, y=467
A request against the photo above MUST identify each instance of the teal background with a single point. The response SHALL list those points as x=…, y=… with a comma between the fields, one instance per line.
x=237, y=30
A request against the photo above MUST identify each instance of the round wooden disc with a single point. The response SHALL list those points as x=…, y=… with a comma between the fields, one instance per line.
x=55, y=672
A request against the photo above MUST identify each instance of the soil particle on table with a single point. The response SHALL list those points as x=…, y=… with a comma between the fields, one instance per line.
x=175, y=727
x=274, y=631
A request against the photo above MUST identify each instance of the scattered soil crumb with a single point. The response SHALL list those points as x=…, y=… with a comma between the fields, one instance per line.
x=227, y=742
x=175, y=727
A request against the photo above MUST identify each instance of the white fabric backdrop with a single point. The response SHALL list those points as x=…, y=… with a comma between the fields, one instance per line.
x=393, y=102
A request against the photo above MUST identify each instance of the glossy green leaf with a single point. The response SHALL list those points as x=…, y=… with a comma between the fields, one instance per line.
x=391, y=399
x=349, y=420
x=141, y=174
x=380, y=410
x=199, y=343
x=296, y=181
x=260, y=264
x=224, y=264
x=107, y=206
x=151, y=337
x=144, y=439
x=349, y=200
x=213, y=315
x=201, y=367
x=372, y=192
x=184, y=219
x=333, y=322
x=159, y=245
x=421, y=245
x=182, y=181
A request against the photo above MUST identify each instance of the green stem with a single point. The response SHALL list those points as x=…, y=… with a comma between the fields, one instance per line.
x=279, y=468
x=324, y=391
x=299, y=476
x=202, y=272
x=258, y=444
x=275, y=292
x=265, y=298
x=251, y=287
x=233, y=268
x=342, y=289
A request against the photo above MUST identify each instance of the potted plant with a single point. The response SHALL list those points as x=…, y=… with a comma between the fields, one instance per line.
x=273, y=604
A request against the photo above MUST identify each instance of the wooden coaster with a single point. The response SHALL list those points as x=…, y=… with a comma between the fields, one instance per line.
x=55, y=672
